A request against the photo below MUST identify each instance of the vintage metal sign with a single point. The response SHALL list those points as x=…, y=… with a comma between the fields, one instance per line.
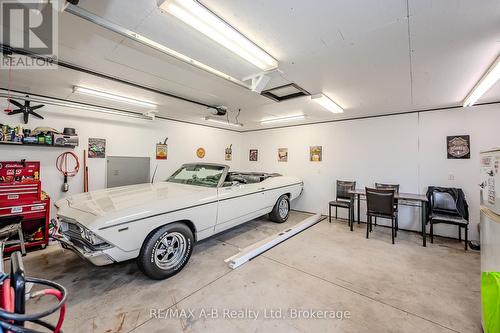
x=458, y=146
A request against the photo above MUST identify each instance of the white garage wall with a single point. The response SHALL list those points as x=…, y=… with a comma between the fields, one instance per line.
x=406, y=149
x=124, y=137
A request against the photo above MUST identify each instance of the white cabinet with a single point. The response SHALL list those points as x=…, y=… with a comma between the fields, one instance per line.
x=490, y=180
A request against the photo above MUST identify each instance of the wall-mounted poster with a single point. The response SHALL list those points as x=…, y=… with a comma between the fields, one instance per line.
x=282, y=154
x=253, y=155
x=315, y=153
x=229, y=153
x=97, y=148
x=162, y=150
x=200, y=152
x=458, y=146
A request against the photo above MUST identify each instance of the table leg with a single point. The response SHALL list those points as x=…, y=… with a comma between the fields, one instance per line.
x=422, y=210
x=351, y=216
x=358, y=206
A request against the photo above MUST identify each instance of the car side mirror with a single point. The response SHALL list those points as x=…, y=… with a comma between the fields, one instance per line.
x=235, y=183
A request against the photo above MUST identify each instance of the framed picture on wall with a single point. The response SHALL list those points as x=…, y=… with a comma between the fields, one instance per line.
x=97, y=148
x=316, y=153
x=228, y=156
x=253, y=155
x=458, y=146
x=162, y=150
x=282, y=154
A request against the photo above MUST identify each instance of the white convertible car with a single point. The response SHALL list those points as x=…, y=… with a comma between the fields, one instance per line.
x=159, y=223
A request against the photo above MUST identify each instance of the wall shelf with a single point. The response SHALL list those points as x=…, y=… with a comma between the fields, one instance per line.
x=7, y=143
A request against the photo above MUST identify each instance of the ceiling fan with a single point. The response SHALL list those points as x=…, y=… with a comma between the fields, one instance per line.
x=25, y=109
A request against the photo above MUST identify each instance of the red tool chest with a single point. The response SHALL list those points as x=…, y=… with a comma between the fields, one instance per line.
x=21, y=194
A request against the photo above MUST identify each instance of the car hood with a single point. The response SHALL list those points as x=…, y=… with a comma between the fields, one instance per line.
x=120, y=202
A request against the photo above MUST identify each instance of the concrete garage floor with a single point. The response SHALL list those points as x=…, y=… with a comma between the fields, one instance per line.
x=384, y=287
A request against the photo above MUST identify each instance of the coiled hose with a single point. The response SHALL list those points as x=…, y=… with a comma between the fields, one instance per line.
x=56, y=290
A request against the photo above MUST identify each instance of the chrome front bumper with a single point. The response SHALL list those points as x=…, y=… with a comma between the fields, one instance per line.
x=97, y=258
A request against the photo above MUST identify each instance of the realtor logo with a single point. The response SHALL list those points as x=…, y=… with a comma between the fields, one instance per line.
x=31, y=26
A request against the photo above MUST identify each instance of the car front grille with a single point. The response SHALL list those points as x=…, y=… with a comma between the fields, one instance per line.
x=73, y=232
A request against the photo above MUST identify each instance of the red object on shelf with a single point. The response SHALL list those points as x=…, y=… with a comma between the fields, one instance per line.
x=21, y=194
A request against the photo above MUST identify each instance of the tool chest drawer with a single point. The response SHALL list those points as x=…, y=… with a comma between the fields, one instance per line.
x=19, y=191
x=30, y=210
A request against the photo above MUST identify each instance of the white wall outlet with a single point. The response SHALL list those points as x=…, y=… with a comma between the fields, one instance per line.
x=451, y=176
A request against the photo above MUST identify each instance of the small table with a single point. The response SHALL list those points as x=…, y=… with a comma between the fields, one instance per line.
x=404, y=199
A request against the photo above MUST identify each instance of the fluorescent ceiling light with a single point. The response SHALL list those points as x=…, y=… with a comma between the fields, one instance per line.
x=327, y=103
x=114, y=97
x=91, y=17
x=488, y=80
x=73, y=105
x=223, y=122
x=282, y=119
x=202, y=19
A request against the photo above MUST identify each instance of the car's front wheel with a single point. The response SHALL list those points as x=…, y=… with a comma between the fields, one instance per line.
x=166, y=251
x=281, y=210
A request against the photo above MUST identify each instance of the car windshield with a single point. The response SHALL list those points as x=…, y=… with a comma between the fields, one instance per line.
x=198, y=174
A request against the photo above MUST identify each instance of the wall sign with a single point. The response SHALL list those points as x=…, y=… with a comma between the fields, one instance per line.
x=162, y=150
x=282, y=154
x=228, y=156
x=200, y=152
x=315, y=153
x=458, y=146
x=253, y=155
x=97, y=148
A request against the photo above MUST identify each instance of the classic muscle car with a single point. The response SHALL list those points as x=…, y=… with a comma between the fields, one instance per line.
x=159, y=223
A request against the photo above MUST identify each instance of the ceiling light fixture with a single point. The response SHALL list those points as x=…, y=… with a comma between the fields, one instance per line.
x=491, y=76
x=223, y=122
x=114, y=97
x=73, y=105
x=327, y=103
x=282, y=119
x=91, y=17
x=202, y=19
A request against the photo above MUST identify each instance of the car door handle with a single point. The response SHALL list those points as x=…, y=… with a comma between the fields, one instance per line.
x=262, y=188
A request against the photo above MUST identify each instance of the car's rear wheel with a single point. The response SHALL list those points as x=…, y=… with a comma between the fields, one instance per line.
x=281, y=210
x=166, y=251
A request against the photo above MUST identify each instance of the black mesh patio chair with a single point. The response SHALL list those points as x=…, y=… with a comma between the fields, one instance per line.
x=444, y=210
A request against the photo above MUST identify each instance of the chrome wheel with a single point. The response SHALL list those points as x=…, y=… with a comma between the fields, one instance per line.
x=283, y=208
x=170, y=250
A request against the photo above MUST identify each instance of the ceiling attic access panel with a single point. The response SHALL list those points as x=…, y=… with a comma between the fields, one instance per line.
x=285, y=92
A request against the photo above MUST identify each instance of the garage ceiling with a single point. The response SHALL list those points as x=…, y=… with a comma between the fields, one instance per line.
x=368, y=56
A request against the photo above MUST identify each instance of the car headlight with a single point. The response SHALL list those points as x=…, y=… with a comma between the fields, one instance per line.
x=92, y=238
x=74, y=230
